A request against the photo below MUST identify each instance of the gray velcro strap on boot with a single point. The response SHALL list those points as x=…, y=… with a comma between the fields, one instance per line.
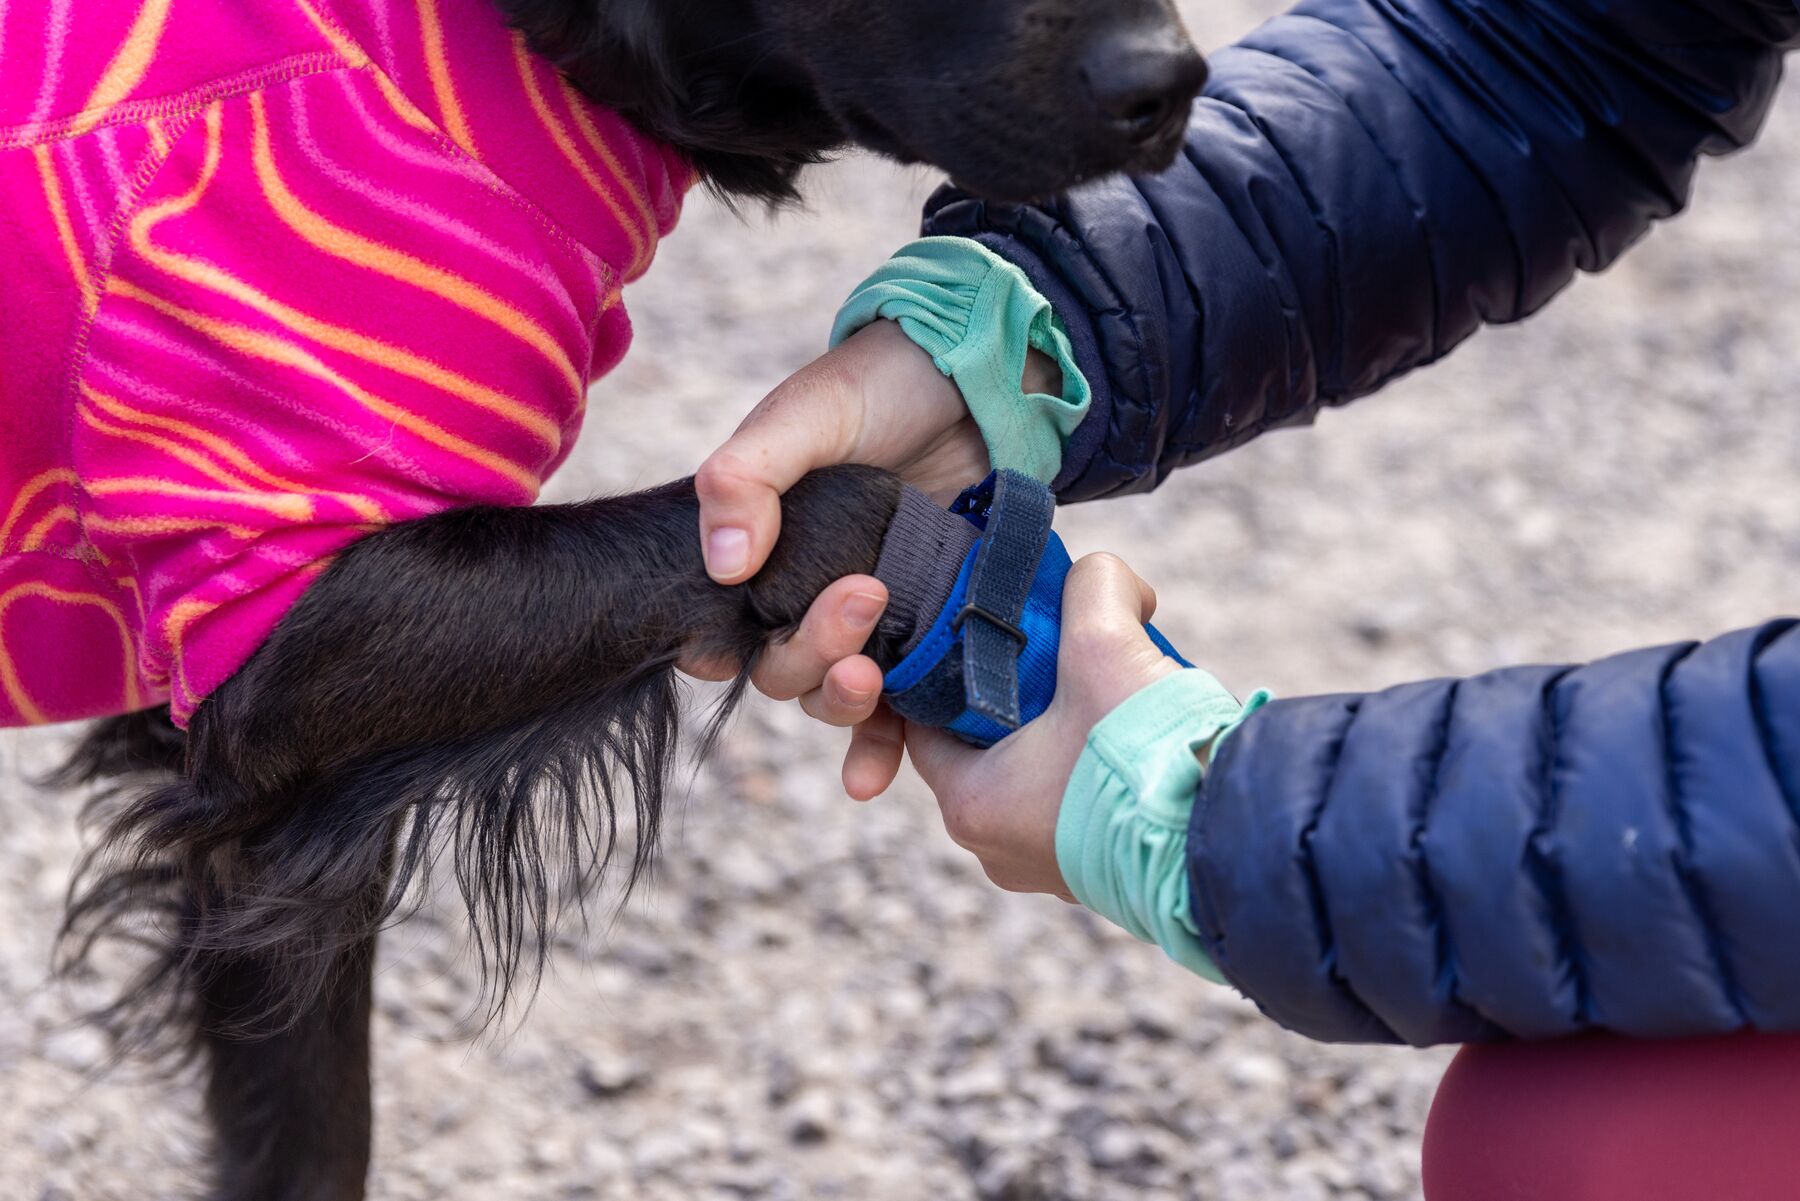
x=1018, y=526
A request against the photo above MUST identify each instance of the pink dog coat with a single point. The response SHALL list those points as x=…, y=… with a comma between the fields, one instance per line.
x=278, y=272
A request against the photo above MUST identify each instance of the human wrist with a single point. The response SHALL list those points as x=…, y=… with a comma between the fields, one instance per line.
x=988, y=329
x=1121, y=834
x=890, y=363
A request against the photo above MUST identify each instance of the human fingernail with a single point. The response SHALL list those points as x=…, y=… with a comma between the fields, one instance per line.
x=727, y=552
x=863, y=608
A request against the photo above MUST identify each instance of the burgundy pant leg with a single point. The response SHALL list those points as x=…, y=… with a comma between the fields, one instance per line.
x=1599, y=1118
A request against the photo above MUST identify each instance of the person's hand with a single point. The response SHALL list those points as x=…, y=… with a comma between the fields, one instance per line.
x=876, y=399
x=1002, y=803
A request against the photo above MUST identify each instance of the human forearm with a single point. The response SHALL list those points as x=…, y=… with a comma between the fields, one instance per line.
x=1529, y=853
x=1364, y=187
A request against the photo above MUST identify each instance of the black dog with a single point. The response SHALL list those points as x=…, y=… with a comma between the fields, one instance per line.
x=1017, y=99
x=486, y=685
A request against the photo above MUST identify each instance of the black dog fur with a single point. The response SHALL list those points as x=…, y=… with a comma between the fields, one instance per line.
x=995, y=92
x=485, y=686
x=482, y=690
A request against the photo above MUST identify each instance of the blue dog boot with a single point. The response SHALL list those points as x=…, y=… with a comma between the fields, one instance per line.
x=975, y=608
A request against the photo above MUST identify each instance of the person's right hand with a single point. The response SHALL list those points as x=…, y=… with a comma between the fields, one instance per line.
x=1002, y=804
x=876, y=399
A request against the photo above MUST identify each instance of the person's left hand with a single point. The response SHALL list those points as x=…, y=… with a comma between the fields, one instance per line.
x=877, y=399
x=1002, y=803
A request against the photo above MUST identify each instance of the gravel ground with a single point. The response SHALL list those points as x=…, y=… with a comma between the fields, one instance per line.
x=820, y=1000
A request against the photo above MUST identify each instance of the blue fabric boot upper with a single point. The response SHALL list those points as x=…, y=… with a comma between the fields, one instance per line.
x=986, y=662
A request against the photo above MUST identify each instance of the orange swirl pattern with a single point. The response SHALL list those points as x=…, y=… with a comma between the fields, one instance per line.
x=284, y=272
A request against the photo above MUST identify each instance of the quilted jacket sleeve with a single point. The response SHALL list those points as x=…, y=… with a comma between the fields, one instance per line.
x=1365, y=184
x=1529, y=853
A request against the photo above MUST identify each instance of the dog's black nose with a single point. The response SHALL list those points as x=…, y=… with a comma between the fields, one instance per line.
x=1139, y=83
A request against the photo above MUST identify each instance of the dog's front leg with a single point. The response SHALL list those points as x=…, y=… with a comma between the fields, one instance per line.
x=287, y=1085
x=482, y=686
x=290, y=1110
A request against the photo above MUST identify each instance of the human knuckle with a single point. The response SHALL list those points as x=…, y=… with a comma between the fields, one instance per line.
x=775, y=683
x=966, y=821
x=1099, y=565
x=957, y=821
x=789, y=689
x=825, y=629
x=721, y=477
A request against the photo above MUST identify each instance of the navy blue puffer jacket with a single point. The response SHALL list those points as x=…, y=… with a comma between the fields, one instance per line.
x=1529, y=853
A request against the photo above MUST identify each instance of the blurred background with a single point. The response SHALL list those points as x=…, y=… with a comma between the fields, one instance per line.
x=819, y=999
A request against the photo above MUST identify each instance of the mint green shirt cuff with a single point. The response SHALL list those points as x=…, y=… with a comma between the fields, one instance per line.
x=977, y=315
x=1121, y=838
